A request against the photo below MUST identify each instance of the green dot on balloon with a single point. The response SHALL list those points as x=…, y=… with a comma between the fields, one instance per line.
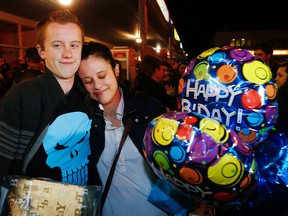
x=171, y=172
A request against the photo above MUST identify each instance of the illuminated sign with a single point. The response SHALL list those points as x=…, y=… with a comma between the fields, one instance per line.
x=164, y=9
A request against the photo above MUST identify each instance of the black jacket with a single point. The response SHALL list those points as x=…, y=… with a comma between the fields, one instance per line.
x=145, y=84
x=143, y=109
x=25, y=111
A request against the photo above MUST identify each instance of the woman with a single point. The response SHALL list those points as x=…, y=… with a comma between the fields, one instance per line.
x=133, y=177
x=281, y=81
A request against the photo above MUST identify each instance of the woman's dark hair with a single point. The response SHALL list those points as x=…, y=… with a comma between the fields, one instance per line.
x=285, y=64
x=98, y=50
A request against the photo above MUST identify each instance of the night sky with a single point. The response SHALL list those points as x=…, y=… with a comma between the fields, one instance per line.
x=198, y=21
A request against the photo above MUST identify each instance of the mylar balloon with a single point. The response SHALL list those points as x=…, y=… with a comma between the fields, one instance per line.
x=272, y=177
x=200, y=157
x=272, y=160
x=232, y=86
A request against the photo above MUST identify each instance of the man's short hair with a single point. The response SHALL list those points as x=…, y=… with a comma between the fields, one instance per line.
x=149, y=64
x=266, y=47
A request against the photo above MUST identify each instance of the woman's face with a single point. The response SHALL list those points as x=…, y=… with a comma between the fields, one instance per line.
x=99, y=80
x=182, y=68
x=281, y=77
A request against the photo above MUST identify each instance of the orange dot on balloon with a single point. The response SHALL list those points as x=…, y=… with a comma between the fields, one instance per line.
x=192, y=176
x=246, y=182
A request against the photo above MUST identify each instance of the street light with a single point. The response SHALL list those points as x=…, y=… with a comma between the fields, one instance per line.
x=138, y=40
x=65, y=2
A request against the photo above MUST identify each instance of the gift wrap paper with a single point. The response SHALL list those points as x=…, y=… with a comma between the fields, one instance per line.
x=41, y=197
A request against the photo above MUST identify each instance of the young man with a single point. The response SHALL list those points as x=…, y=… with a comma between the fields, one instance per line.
x=264, y=51
x=44, y=122
x=149, y=80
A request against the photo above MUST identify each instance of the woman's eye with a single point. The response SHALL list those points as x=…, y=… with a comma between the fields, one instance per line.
x=101, y=76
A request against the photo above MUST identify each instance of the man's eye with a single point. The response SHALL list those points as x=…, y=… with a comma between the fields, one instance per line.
x=56, y=45
x=75, y=45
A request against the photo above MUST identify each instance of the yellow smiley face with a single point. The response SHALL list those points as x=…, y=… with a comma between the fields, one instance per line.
x=164, y=131
x=213, y=128
x=228, y=171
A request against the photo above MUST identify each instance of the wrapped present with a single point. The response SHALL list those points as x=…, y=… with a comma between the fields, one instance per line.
x=34, y=196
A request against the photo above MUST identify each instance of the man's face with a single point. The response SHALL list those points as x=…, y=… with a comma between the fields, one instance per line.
x=261, y=55
x=63, y=45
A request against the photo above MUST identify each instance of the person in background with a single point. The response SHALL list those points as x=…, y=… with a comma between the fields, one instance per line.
x=34, y=64
x=282, y=84
x=120, y=75
x=177, y=81
x=149, y=79
x=167, y=70
x=178, y=73
x=5, y=72
x=133, y=177
x=2, y=80
x=171, y=81
x=174, y=64
x=181, y=68
x=48, y=113
x=20, y=65
x=170, y=89
x=264, y=51
x=2, y=86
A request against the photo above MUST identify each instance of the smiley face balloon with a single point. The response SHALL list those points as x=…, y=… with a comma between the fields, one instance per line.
x=232, y=86
x=200, y=157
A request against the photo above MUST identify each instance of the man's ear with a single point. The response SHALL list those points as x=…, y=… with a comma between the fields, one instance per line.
x=40, y=51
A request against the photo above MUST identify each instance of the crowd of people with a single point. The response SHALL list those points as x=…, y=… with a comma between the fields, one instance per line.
x=74, y=106
x=31, y=66
x=5, y=72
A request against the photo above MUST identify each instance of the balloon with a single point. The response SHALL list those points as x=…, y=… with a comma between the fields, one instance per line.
x=272, y=160
x=230, y=85
x=270, y=198
x=200, y=157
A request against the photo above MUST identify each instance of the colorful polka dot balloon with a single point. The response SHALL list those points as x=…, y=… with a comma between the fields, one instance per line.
x=200, y=157
x=232, y=86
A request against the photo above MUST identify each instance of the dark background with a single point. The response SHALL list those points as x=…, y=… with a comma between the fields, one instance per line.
x=198, y=21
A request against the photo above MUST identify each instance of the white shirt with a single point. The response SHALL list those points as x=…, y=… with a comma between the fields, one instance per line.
x=132, y=178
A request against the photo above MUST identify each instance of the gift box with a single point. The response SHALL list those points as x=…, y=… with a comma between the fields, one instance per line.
x=34, y=196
